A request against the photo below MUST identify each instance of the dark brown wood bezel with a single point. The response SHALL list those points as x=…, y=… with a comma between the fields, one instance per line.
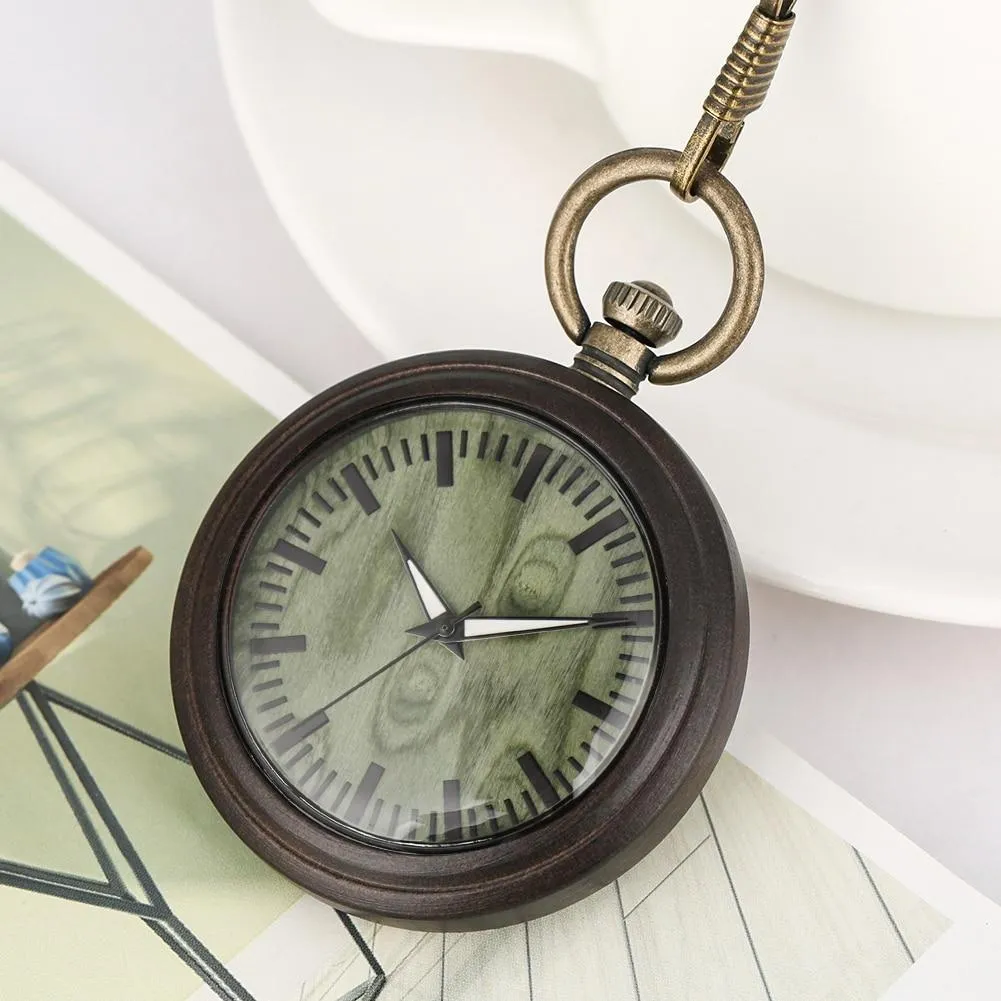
x=657, y=775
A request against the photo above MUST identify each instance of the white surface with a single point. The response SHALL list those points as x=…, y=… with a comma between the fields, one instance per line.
x=203, y=337
x=876, y=201
x=902, y=714
x=419, y=182
x=118, y=110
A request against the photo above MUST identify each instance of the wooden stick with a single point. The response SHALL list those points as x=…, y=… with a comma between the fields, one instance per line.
x=47, y=642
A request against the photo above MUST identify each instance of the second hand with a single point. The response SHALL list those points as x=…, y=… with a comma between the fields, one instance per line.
x=451, y=620
x=311, y=723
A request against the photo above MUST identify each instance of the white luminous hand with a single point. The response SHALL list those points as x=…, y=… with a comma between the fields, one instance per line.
x=487, y=627
x=430, y=600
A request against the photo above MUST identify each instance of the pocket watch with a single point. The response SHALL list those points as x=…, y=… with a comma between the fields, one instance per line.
x=462, y=638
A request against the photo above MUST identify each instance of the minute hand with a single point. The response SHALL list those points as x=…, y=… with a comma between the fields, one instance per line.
x=487, y=627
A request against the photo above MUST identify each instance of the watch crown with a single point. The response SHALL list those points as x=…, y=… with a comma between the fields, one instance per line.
x=642, y=309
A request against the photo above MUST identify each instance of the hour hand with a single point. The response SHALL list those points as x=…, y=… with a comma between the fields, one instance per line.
x=432, y=602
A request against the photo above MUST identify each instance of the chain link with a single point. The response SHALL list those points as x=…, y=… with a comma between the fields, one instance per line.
x=740, y=88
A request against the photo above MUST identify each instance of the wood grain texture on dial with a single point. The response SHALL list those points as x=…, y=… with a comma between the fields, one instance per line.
x=478, y=744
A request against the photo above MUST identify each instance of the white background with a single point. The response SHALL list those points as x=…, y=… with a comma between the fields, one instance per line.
x=118, y=109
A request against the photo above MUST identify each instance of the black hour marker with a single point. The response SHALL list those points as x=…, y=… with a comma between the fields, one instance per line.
x=264, y=625
x=540, y=782
x=634, y=658
x=519, y=454
x=444, y=458
x=281, y=721
x=452, y=815
x=591, y=752
x=415, y=823
x=600, y=710
x=632, y=578
x=301, y=536
x=322, y=501
x=597, y=531
x=296, y=554
x=575, y=764
x=278, y=644
x=533, y=810
x=364, y=793
x=376, y=810
x=600, y=506
x=300, y=731
x=387, y=459
x=263, y=686
x=482, y=450
x=604, y=734
x=299, y=755
x=472, y=823
x=278, y=568
x=370, y=466
x=425, y=448
x=433, y=825
x=530, y=474
x=557, y=466
x=608, y=620
x=361, y=490
x=311, y=518
x=394, y=821
x=564, y=781
x=265, y=665
x=272, y=704
x=268, y=606
x=501, y=447
x=585, y=493
x=268, y=586
x=336, y=487
x=407, y=457
x=463, y=444
x=642, y=619
x=572, y=479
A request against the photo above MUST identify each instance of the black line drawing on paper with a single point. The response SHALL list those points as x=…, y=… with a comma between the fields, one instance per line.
x=85, y=798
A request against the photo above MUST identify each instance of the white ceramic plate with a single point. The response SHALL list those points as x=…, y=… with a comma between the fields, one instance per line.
x=855, y=449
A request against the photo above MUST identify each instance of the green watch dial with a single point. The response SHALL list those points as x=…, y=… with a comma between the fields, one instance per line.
x=444, y=627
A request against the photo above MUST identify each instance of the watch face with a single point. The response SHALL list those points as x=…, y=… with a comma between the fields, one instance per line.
x=442, y=627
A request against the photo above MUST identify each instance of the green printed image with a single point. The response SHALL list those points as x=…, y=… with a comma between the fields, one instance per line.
x=117, y=877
